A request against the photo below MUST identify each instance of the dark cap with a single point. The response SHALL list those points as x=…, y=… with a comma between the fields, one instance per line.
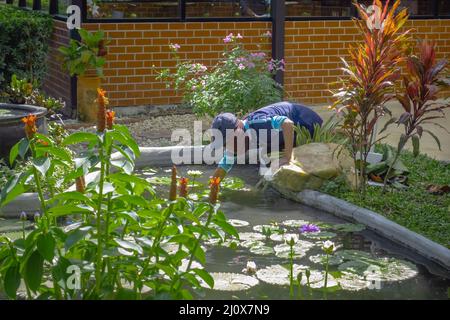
x=224, y=121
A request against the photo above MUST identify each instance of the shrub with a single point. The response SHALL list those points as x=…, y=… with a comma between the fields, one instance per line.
x=372, y=70
x=239, y=83
x=24, y=39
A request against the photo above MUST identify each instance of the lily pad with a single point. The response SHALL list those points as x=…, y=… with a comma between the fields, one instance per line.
x=271, y=227
x=243, y=236
x=282, y=237
x=381, y=269
x=317, y=280
x=238, y=223
x=333, y=260
x=322, y=235
x=225, y=281
x=353, y=282
x=353, y=255
x=348, y=227
x=251, y=243
x=262, y=250
x=294, y=223
x=278, y=275
x=300, y=249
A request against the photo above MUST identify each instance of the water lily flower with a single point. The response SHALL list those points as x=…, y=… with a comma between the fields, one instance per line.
x=30, y=125
x=291, y=239
x=328, y=247
x=309, y=228
x=23, y=216
x=250, y=268
x=110, y=117
x=184, y=187
x=194, y=173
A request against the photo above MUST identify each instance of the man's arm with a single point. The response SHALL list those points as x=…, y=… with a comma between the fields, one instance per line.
x=219, y=173
x=288, y=135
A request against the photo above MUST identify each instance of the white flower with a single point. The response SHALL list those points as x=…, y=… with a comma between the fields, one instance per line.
x=328, y=246
x=291, y=238
x=250, y=268
x=194, y=173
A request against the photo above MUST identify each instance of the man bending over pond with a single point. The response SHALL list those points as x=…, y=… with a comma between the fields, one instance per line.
x=278, y=117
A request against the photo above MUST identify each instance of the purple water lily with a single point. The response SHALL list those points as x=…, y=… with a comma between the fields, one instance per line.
x=309, y=228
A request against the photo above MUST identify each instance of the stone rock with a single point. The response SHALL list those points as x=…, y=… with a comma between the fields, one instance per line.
x=312, y=165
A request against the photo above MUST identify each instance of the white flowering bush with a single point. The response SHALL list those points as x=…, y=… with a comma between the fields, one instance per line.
x=240, y=82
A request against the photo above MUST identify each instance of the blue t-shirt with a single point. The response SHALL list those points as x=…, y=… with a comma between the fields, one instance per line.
x=272, y=117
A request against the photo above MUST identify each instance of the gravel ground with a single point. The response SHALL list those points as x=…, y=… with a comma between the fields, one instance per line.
x=151, y=131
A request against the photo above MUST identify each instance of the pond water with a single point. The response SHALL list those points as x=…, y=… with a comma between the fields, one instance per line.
x=365, y=266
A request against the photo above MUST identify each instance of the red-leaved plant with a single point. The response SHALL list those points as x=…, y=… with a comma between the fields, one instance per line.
x=371, y=73
x=419, y=99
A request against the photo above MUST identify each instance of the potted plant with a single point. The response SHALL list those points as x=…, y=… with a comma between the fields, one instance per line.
x=85, y=59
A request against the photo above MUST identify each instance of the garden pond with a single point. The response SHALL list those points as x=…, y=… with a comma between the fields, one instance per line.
x=364, y=265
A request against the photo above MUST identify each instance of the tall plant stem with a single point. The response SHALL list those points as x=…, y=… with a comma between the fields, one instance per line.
x=291, y=271
x=197, y=244
x=326, y=275
x=38, y=185
x=98, y=267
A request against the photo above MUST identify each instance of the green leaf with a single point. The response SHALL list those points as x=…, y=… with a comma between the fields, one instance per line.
x=129, y=245
x=416, y=144
x=205, y=276
x=12, y=281
x=33, y=271
x=46, y=246
x=13, y=188
x=20, y=148
x=42, y=165
x=65, y=210
x=72, y=195
x=78, y=137
x=59, y=153
x=228, y=228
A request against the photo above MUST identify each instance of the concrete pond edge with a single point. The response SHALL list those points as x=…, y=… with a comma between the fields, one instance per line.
x=162, y=156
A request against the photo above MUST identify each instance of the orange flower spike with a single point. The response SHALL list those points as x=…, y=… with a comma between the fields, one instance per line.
x=173, y=184
x=80, y=184
x=102, y=101
x=30, y=125
x=110, y=117
x=184, y=187
x=214, y=184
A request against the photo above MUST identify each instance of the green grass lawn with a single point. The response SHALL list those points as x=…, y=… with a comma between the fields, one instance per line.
x=413, y=208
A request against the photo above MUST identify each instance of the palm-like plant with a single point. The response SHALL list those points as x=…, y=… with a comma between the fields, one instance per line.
x=372, y=71
x=419, y=99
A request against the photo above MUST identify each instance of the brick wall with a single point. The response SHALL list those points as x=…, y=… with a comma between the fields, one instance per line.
x=136, y=47
x=312, y=51
x=57, y=82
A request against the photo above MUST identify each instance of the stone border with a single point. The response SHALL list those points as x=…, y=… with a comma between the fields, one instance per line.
x=162, y=156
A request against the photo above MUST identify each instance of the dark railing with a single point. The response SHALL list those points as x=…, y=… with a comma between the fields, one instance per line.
x=438, y=9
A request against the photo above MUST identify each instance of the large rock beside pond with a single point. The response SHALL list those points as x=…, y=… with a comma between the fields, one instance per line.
x=313, y=164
